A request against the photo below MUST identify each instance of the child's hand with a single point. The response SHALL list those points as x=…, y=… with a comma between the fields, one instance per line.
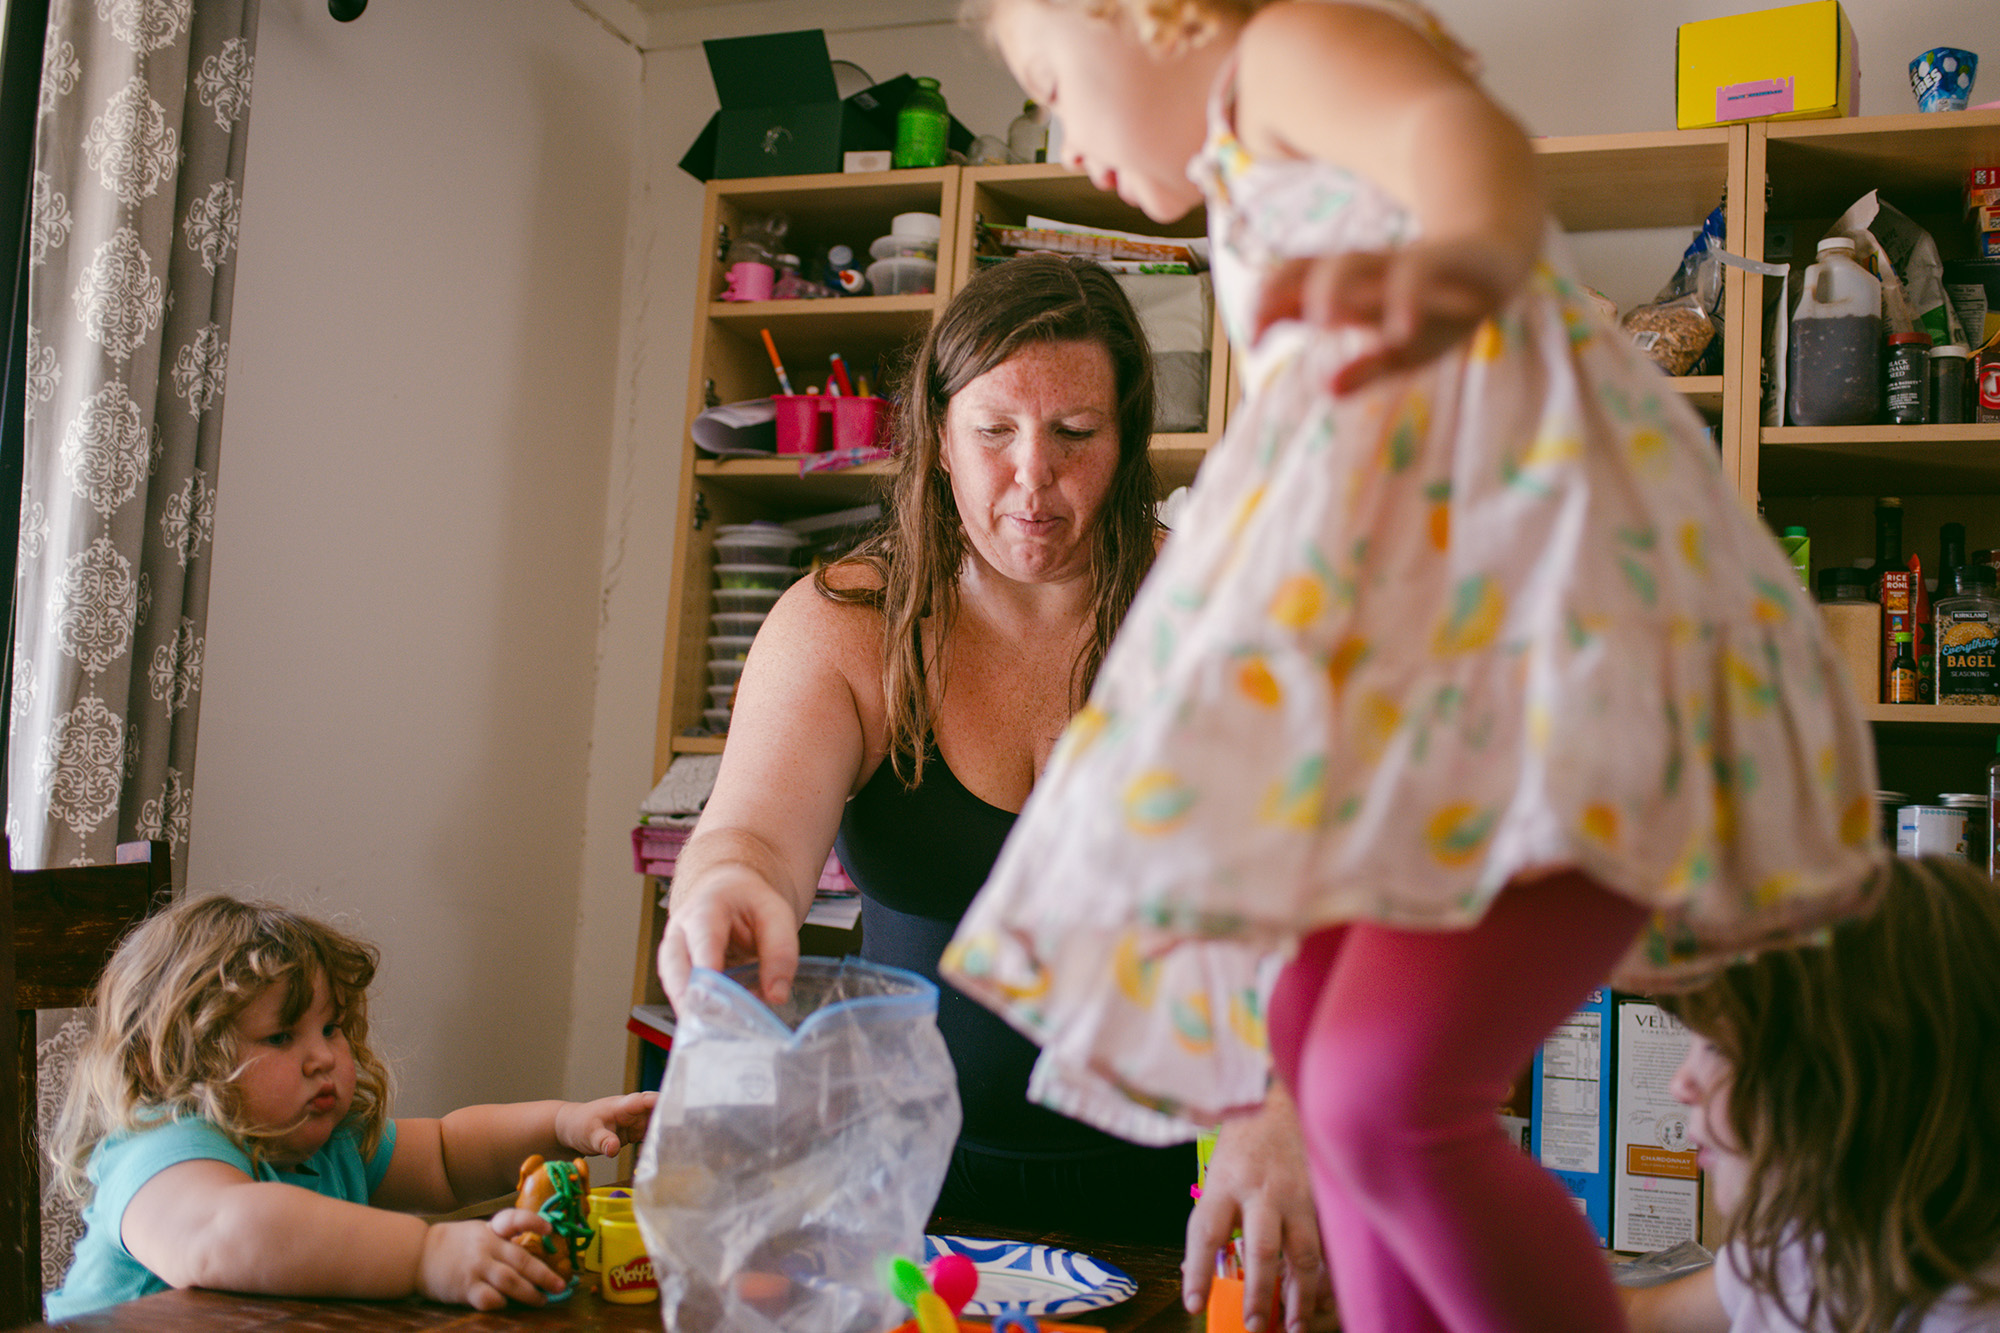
x=477, y=1264
x=605, y=1125
x=1420, y=300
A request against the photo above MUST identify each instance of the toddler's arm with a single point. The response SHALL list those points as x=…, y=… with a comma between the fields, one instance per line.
x=204, y=1223
x=476, y=1152
x=1684, y=1305
x=1362, y=89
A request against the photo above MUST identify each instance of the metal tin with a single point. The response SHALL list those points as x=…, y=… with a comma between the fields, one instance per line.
x=1930, y=830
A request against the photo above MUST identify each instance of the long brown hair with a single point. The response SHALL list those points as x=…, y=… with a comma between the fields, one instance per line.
x=914, y=563
x=160, y=1044
x=1867, y=1099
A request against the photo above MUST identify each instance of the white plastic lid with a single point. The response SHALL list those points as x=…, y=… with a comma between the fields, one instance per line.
x=758, y=534
x=1836, y=243
x=1951, y=349
x=922, y=226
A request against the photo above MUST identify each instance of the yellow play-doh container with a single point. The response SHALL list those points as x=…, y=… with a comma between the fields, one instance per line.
x=602, y=1202
x=627, y=1277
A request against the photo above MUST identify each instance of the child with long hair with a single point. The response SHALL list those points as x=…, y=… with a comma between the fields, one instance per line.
x=1846, y=1103
x=1464, y=682
x=227, y=1126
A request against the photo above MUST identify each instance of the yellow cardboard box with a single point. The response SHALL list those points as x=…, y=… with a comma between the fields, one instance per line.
x=1795, y=63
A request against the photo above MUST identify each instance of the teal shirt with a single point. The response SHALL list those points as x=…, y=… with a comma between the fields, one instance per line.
x=104, y=1273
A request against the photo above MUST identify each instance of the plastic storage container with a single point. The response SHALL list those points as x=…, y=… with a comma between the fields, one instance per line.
x=773, y=576
x=1854, y=624
x=1835, y=374
x=905, y=275
x=747, y=599
x=1951, y=383
x=725, y=670
x=736, y=622
x=755, y=544
x=722, y=647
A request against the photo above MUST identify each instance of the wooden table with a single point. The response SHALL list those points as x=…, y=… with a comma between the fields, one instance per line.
x=1155, y=1308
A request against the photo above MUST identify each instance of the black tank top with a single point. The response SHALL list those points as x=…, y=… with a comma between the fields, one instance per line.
x=919, y=856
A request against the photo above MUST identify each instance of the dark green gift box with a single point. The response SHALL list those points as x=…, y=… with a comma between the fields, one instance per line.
x=782, y=113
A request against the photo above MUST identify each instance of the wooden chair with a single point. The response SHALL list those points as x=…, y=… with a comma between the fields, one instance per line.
x=60, y=926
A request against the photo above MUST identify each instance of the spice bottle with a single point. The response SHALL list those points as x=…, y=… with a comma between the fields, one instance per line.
x=1835, y=373
x=1950, y=375
x=1903, y=672
x=1968, y=639
x=921, y=127
x=1906, y=382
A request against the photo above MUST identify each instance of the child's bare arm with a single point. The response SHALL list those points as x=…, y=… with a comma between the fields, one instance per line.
x=1361, y=89
x=476, y=1152
x=1684, y=1305
x=206, y=1224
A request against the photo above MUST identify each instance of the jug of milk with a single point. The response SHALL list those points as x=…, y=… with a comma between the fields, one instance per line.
x=1835, y=373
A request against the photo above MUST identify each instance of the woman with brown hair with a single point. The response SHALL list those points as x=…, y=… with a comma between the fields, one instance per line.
x=905, y=701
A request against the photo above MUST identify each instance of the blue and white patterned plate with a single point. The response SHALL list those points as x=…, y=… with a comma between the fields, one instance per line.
x=1033, y=1279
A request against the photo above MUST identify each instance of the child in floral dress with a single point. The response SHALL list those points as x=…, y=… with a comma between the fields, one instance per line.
x=1464, y=682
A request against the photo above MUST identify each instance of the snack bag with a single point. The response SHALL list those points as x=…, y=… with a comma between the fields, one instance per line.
x=793, y=1148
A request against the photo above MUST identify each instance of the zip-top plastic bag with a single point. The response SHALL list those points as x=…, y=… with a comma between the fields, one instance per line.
x=793, y=1149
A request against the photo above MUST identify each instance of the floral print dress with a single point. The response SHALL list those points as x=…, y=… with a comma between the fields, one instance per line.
x=1499, y=617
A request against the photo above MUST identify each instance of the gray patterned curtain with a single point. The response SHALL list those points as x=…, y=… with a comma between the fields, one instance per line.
x=139, y=155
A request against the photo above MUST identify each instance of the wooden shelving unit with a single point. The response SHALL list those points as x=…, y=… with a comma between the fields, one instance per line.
x=1612, y=182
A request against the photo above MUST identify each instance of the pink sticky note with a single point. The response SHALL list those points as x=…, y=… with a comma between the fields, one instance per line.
x=1760, y=97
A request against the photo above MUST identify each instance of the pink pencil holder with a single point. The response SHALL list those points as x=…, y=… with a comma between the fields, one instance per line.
x=860, y=423
x=802, y=422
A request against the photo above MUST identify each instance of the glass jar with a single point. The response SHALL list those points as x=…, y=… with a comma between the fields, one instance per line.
x=1951, y=372
x=1968, y=637
x=922, y=127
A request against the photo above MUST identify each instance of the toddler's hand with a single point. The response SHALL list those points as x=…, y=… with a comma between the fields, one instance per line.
x=605, y=1125
x=1420, y=300
x=477, y=1264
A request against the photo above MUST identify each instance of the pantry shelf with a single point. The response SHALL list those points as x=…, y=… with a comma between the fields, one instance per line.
x=1880, y=460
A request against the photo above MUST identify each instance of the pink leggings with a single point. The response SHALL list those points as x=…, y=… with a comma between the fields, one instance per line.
x=1398, y=1046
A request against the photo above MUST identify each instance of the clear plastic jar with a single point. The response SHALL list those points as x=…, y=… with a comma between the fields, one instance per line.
x=1951, y=374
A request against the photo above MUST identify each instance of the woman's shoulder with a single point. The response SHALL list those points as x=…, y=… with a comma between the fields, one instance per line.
x=838, y=625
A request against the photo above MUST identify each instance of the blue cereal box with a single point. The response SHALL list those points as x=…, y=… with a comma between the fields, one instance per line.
x=1572, y=1126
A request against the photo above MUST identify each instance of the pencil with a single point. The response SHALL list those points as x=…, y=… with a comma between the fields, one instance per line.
x=839, y=376
x=784, y=382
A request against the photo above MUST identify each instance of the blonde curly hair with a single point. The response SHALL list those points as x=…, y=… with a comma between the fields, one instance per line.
x=160, y=1044
x=1162, y=25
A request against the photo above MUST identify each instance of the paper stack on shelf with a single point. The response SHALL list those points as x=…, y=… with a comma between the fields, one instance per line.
x=1119, y=251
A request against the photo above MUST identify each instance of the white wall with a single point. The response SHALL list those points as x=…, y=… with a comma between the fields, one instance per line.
x=418, y=430
x=451, y=449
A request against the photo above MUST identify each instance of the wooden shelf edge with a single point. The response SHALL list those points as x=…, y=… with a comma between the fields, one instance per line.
x=698, y=744
x=835, y=307
x=1933, y=715
x=786, y=465
x=1983, y=432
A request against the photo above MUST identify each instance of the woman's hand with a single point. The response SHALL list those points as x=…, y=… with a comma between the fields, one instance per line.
x=605, y=1125
x=1418, y=301
x=728, y=915
x=1257, y=1180
x=478, y=1264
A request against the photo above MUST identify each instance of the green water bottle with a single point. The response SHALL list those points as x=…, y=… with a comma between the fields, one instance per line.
x=921, y=127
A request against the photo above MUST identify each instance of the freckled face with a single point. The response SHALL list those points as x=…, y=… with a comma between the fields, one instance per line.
x=1132, y=119
x=299, y=1074
x=1702, y=1085
x=1030, y=448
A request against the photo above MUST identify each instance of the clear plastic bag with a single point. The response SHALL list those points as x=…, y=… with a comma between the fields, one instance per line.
x=792, y=1149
